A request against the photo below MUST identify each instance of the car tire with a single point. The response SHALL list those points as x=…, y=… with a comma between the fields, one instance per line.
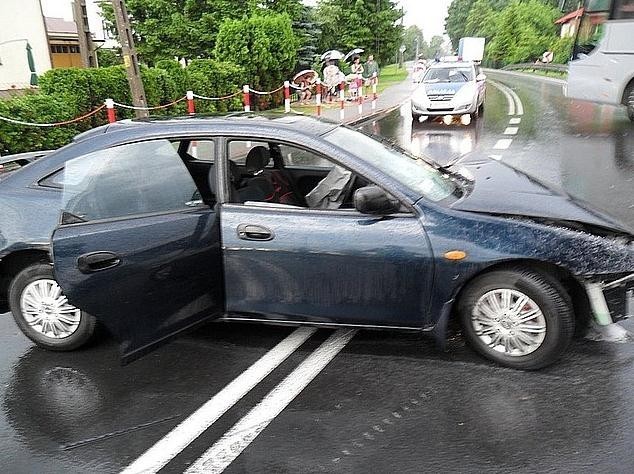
x=494, y=309
x=34, y=290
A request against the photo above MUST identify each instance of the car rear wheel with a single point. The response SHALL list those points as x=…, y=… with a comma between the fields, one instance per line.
x=517, y=318
x=43, y=313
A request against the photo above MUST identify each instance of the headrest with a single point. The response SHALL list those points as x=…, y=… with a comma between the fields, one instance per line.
x=257, y=159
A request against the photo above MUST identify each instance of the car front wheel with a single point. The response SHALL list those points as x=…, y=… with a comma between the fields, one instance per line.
x=43, y=313
x=517, y=318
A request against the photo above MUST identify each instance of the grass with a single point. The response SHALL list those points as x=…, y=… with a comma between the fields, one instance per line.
x=388, y=76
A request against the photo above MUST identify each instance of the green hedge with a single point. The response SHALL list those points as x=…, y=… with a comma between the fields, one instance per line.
x=36, y=108
x=68, y=93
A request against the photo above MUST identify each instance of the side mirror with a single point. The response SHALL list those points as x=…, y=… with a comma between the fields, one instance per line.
x=373, y=200
x=481, y=77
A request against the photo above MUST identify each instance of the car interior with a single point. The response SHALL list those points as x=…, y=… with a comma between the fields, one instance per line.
x=273, y=174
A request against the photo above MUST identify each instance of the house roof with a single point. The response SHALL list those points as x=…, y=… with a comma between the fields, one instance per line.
x=570, y=16
x=60, y=26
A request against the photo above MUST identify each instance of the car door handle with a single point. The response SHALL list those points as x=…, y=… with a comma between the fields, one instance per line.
x=97, y=261
x=254, y=232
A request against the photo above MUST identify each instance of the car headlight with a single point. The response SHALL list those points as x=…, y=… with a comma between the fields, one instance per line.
x=465, y=96
x=420, y=97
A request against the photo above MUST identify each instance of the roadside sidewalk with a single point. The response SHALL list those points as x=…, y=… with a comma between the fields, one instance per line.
x=390, y=98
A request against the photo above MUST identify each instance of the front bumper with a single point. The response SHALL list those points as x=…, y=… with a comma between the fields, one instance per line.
x=441, y=109
x=612, y=301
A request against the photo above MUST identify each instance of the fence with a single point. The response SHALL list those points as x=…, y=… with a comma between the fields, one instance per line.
x=247, y=92
x=556, y=68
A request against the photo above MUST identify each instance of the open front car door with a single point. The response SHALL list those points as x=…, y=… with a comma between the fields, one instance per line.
x=136, y=247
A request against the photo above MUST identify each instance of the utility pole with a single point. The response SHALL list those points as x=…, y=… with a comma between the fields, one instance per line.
x=130, y=58
x=86, y=46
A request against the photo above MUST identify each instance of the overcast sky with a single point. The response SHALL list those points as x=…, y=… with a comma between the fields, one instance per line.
x=427, y=14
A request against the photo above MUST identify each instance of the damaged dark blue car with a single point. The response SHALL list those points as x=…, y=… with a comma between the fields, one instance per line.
x=153, y=227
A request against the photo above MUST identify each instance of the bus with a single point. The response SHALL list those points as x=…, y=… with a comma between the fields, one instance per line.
x=602, y=67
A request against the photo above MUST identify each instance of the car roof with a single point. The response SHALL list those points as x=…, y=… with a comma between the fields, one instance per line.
x=299, y=123
x=452, y=64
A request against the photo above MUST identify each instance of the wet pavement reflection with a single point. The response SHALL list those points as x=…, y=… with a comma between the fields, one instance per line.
x=583, y=149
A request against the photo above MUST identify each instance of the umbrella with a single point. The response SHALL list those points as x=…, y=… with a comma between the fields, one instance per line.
x=306, y=74
x=352, y=53
x=29, y=57
x=332, y=54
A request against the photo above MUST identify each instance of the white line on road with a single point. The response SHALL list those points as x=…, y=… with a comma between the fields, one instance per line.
x=496, y=157
x=509, y=99
x=510, y=131
x=503, y=144
x=515, y=121
x=188, y=430
x=518, y=101
x=232, y=443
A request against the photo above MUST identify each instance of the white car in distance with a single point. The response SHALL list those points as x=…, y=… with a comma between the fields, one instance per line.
x=450, y=90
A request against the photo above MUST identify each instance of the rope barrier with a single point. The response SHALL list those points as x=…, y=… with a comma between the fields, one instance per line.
x=267, y=93
x=202, y=97
x=157, y=107
x=189, y=97
x=56, y=124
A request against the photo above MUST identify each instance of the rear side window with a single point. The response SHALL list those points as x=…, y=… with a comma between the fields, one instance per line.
x=127, y=180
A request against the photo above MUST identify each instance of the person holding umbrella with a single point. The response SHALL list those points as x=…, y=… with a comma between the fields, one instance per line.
x=356, y=69
x=332, y=79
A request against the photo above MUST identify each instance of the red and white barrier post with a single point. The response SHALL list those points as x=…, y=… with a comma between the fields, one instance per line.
x=375, y=79
x=342, y=100
x=191, y=109
x=287, y=96
x=245, y=98
x=110, y=110
x=318, y=97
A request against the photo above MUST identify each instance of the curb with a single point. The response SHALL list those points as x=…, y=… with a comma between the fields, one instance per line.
x=360, y=120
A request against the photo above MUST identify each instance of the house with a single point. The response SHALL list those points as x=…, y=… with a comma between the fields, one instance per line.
x=570, y=23
x=22, y=24
x=63, y=42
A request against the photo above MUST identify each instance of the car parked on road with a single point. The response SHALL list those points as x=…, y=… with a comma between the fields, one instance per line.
x=450, y=89
x=152, y=227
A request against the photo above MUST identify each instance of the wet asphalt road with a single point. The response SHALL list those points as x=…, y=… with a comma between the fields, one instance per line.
x=388, y=402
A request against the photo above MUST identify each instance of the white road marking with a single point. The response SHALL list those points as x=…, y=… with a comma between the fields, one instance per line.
x=188, y=430
x=226, y=449
x=510, y=131
x=503, y=144
x=509, y=99
x=515, y=121
x=518, y=101
x=496, y=157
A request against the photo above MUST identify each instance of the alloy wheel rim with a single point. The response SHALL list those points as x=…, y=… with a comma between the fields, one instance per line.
x=509, y=322
x=46, y=309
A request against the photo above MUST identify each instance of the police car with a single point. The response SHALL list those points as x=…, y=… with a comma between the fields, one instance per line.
x=450, y=90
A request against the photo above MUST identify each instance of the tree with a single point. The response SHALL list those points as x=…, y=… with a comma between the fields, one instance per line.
x=307, y=32
x=482, y=20
x=188, y=28
x=456, y=21
x=524, y=31
x=263, y=44
x=411, y=36
x=436, y=47
x=368, y=24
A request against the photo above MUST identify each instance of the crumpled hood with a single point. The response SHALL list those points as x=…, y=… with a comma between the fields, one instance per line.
x=444, y=88
x=501, y=189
